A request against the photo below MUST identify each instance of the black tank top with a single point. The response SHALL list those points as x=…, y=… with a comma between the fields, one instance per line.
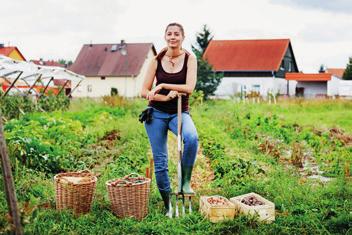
x=171, y=78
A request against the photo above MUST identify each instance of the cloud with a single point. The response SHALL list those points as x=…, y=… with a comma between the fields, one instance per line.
x=336, y=6
x=55, y=29
x=323, y=33
x=54, y=17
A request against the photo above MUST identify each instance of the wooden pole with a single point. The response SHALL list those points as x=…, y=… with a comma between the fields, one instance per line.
x=63, y=87
x=47, y=85
x=33, y=85
x=74, y=88
x=9, y=183
x=12, y=84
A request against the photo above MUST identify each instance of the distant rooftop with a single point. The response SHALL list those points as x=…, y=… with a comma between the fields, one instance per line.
x=108, y=59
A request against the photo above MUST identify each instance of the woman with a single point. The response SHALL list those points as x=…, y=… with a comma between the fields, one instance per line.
x=175, y=71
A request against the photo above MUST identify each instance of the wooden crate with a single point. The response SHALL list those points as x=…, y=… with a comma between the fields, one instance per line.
x=216, y=213
x=265, y=212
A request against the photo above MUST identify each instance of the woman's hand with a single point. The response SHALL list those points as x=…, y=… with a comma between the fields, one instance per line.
x=149, y=96
x=154, y=91
x=157, y=88
x=172, y=95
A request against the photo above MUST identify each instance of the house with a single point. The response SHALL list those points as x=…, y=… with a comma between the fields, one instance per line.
x=318, y=85
x=47, y=63
x=344, y=87
x=112, y=67
x=309, y=85
x=11, y=52
x=337, y=72
x=59, y=82
x=251, y=65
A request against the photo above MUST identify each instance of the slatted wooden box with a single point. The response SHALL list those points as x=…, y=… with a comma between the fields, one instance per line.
x=265, y=212
x=217, y=213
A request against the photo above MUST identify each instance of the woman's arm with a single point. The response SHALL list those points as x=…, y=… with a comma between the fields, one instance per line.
x=148, y=83
x=149, y=78
x=191, y=79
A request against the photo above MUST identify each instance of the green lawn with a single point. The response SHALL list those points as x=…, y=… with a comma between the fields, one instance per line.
x=248, y=148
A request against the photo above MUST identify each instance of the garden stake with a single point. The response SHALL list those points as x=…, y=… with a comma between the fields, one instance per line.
x=179, y=194
x=9, y=184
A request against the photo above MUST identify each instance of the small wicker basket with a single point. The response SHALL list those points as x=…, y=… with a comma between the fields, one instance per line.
x=129, y=196
x=75, y=190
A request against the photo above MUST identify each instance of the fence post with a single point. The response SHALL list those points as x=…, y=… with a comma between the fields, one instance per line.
x=9, y=183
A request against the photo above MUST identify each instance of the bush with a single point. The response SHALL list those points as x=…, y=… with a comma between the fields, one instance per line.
x=114, y=101
x=52, y=102
x=196, y=98
x=13, y=106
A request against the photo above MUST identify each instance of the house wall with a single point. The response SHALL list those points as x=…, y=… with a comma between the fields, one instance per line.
x=230, y=86
x=292, y=87
x=313, y=89
x=337, y=86
x=96, y=87
x=345, y=88
x=127, y=86
x=333, y=86
x=15, y=55
x=281, y=86
x=143, y=72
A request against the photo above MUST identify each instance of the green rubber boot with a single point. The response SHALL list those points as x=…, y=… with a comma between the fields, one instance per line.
x=165, y=195
x=186, y=179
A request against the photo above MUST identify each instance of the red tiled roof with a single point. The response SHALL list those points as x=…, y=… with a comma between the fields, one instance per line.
x=99, y=60
x=308, y=77
x=62, y=82
x=338, y=72
x=47, y=63
x=6, y=51
x=246, y=55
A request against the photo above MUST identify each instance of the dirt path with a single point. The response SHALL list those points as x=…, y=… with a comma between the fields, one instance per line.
x=202, y=176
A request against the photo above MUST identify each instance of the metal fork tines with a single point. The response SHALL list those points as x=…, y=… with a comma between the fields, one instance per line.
x=184, y=198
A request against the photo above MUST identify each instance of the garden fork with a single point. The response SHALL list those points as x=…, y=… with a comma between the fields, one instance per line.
x=179, y=194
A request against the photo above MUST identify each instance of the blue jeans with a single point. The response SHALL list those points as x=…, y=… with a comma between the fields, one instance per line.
x=157, y=132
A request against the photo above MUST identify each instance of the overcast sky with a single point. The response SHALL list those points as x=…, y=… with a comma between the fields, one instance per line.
x=320, y=30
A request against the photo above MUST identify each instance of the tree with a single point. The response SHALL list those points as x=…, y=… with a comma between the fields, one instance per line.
x=203, y=38
x=347, y=75
x=65, y=62
x=208, y=80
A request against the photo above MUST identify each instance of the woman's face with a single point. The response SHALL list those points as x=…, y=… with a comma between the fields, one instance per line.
x=174, y=37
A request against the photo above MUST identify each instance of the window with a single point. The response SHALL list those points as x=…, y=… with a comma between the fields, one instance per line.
x=256, y=88
x=282, y=66
x=102, y=78
x=89, y=88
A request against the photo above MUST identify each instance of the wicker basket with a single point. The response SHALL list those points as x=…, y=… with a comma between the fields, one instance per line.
x=129, y=196
x=75, y=190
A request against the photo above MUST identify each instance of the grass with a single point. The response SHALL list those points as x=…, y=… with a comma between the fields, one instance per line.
x=230, y=134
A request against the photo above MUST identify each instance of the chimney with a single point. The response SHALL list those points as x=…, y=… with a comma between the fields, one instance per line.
x=123, y=47
x=113, y=48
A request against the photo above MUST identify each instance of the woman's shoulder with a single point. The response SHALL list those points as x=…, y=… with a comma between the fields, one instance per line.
x=161, y=54
x=191, y=56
